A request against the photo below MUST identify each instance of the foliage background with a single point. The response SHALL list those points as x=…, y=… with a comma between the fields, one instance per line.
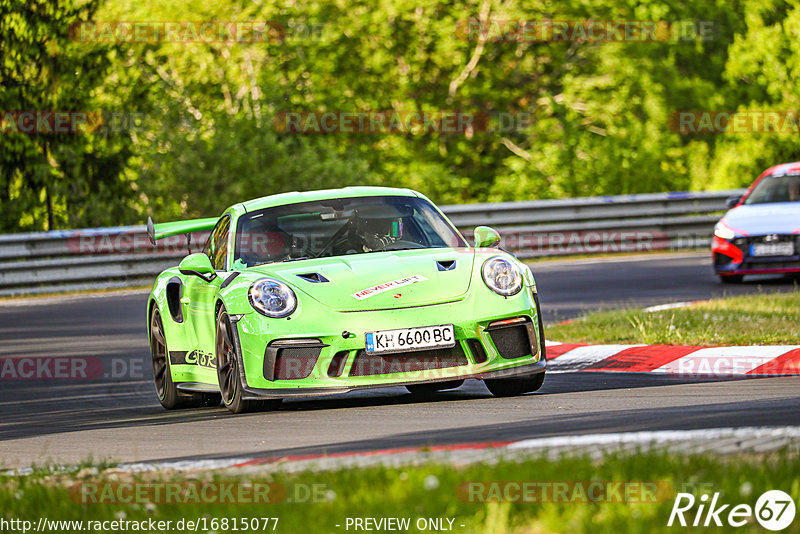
x=206, y=137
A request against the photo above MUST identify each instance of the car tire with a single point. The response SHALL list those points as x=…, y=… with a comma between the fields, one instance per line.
x=166, y=390
x=230, y=383
x=732, y=279
x=433, y=387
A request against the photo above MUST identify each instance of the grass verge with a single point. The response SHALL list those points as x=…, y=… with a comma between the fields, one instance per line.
x=647, y=254
x=761, y=319
x=325, y=500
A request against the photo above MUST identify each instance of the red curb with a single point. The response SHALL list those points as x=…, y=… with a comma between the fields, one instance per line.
x=788, y=363
x=554, y=351
x=379, y=452
x=642, y=359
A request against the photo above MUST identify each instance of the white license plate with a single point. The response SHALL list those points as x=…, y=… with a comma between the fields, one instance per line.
x=411, y=339
x=772, y=249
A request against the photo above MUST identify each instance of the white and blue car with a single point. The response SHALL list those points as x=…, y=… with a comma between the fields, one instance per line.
x=760, y=234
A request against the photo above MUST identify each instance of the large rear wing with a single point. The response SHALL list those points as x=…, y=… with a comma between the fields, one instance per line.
x=161, y=230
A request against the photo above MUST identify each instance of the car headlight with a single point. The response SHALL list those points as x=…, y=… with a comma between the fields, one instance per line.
x=272, y=298
x=502, y=276
x=722, y=231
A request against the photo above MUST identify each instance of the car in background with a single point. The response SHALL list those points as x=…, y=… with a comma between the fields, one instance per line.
x=324, y=292
x=760, y=234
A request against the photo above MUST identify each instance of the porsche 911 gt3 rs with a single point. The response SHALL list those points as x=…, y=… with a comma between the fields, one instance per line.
x=324, y=292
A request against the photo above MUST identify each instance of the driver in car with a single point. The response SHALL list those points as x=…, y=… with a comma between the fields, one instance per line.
x=379, y=233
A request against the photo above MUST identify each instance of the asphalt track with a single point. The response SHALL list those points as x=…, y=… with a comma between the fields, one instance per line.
x=117, y=417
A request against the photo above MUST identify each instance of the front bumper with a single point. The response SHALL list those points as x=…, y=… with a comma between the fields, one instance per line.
x=732, y=257
x=330, y=358
x=253, y=393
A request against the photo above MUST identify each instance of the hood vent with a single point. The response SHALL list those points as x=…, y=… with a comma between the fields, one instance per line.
x=445, y=265
x=315, y=278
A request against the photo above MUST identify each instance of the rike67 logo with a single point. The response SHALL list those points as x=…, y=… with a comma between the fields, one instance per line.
x=774, y=510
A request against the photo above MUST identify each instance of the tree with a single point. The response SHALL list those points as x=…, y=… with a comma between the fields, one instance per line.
x=51, y=179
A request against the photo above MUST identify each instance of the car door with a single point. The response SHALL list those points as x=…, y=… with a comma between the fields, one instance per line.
x=201, y=294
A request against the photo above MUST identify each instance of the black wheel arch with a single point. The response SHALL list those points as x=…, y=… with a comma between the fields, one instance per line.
x=217, y=307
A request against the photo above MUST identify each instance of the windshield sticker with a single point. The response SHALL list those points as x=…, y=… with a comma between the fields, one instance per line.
x=386, y=286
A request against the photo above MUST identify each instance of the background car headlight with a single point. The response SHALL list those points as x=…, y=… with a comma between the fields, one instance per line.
x=502, y=276
x=722, y=231
x=272, y=298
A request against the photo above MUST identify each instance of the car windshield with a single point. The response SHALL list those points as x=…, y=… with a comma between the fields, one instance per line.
x=341, y=226
x=776, y=189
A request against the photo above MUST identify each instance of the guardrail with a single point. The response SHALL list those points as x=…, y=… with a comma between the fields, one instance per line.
x=101, y=258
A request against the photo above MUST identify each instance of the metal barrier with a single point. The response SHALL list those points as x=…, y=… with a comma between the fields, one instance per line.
x=100, y=258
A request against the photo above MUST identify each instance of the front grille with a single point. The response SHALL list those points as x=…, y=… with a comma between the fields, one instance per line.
x=765, y=265
x=769, y=239
x=744, y=244
x=366, y=364
x=512, y=341
x=293, y=363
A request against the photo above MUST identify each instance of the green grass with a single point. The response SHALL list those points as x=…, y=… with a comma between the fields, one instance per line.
x=639, y=254
x=762, y=319
x=433, y=491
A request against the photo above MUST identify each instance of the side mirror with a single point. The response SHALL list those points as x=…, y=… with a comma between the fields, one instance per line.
x=486, y=237
x=198, y=264
x=733, y=201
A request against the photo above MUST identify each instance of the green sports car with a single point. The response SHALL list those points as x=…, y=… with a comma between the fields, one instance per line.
x=324, y=292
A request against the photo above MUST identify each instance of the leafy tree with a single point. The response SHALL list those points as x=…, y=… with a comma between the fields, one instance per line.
x=52, y=180
x=761, y=70
x=553, y=118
